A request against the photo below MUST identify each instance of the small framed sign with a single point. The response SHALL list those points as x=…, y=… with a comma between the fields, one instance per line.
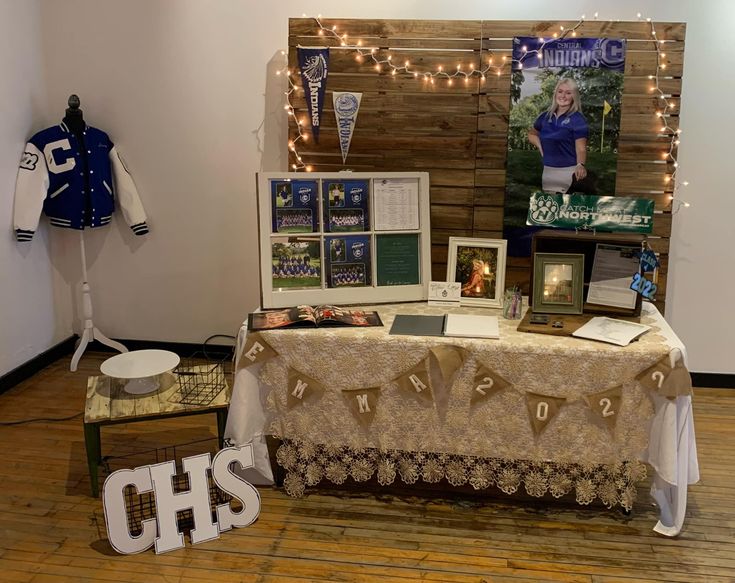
x=444, y=293
x=558, y=283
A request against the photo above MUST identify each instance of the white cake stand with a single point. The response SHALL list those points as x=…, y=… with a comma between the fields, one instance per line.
x=141, y=368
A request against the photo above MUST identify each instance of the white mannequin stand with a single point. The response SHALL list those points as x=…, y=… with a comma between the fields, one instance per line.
x=91, y=332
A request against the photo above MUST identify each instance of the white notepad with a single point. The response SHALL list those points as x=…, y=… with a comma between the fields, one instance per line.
x=470, y=326
x=618, y=332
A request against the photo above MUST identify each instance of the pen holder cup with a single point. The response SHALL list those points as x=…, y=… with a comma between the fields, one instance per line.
x=512, y=304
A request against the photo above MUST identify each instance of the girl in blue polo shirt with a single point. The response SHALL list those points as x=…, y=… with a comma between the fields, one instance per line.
x=560, y=134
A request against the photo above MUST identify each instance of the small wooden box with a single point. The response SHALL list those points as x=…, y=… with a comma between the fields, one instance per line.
x=557, y=241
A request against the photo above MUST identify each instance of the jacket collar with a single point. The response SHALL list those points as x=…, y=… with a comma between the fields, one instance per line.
x=65, y=127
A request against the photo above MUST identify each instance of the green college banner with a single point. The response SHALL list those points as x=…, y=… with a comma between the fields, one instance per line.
x=603, y=213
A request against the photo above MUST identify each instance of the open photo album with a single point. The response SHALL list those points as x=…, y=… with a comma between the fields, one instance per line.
x=304, y=316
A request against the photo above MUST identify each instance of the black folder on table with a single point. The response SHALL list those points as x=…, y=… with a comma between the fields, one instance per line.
x=418, y=325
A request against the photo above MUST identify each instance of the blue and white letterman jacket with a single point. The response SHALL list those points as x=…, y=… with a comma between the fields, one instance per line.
x=75, y=182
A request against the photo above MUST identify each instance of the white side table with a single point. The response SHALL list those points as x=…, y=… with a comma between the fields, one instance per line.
x=141, y=368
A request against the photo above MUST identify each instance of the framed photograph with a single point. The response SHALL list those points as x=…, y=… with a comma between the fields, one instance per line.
x=558, y=283
x=346, y=205
x=348, y=261
x=295, y=206
x=479, y=265
x=296, y=262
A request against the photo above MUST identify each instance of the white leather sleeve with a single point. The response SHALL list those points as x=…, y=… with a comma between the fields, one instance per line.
x=31, y=187
x=127, y=195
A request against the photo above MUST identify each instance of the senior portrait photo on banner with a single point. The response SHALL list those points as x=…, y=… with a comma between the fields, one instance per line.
x=564, y=123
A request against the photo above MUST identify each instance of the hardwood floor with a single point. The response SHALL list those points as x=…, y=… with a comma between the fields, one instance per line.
x=52, y=530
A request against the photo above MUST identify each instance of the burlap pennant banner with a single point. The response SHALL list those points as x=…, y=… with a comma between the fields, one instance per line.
x=362, y=404
x=450, y=360
x=653, y=377
x=255, y=351
x=666, y=381
x=417, y=383
x=302, y=388
x=606, y=405
x=485, y=384
x=677, y=383
x=541, y=410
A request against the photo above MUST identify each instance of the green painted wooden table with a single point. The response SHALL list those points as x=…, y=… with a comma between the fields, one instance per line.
x=109, y=404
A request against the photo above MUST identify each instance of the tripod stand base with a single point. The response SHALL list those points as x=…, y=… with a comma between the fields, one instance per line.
x=92, y=333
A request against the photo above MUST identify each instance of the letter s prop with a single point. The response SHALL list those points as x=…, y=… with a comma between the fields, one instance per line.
x=233, y=484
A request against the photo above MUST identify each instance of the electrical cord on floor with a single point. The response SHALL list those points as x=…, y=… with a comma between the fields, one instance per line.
x=204, y=344
x=53, y=420
x=40, y=420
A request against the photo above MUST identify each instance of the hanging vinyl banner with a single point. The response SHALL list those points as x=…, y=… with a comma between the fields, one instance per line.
x=346, y=106
x=563, y=127
x=314, y=66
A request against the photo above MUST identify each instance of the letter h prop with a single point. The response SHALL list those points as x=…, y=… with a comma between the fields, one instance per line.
x=168, y=503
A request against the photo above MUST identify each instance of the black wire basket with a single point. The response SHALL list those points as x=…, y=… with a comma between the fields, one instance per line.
x=202, y=377
x=142, y=506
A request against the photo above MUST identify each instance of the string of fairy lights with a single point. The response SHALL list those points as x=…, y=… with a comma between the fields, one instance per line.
x=384, y=62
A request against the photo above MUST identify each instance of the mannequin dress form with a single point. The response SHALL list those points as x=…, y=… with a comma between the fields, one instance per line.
x=75, y=122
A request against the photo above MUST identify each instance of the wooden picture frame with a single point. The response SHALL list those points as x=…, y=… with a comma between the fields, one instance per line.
x=558, y=283
x=479, y=265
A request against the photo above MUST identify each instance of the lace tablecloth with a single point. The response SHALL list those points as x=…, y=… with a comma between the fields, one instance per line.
x=445, y=436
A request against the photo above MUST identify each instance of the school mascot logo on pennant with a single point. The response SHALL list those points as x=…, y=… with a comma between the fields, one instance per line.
x=346, y=106
x=314, y=65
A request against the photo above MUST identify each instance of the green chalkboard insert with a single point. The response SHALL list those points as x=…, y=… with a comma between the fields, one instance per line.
x=398, y=259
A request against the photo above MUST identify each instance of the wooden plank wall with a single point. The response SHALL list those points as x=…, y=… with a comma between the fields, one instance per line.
x=458, y=132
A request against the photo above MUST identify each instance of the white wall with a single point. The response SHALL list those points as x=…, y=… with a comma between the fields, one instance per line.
x=180, y=88
x=29, y=323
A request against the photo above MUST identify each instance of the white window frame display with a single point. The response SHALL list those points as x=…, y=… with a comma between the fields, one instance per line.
x=373, y=293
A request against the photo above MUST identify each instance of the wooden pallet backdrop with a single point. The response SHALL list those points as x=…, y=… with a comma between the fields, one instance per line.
x=458, y=132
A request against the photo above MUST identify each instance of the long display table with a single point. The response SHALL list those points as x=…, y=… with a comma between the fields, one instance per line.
x=546, y=413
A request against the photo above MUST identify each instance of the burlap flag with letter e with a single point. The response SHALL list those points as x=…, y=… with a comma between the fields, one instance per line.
x=255, y=351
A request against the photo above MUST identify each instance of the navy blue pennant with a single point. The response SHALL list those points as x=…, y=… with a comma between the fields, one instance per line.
x=314, y=65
